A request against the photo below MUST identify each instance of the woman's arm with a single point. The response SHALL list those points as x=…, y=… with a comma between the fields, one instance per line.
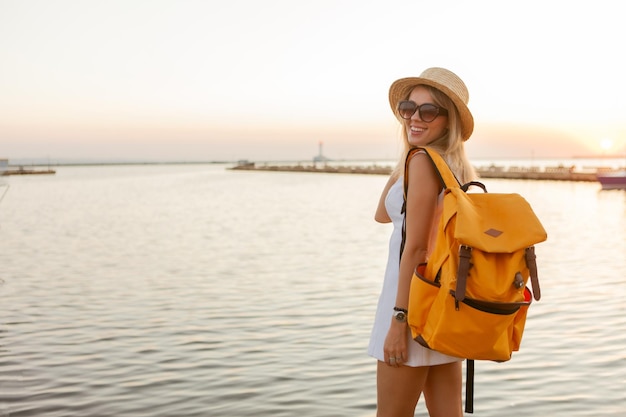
x=424, y=188
x=421, y=205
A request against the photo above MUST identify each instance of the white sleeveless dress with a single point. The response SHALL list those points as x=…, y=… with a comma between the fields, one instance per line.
x=418, y=355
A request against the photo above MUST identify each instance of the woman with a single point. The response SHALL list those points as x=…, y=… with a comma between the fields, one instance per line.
x=432, y=109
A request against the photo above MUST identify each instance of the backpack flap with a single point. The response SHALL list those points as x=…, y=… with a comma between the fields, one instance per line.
x=496, y=223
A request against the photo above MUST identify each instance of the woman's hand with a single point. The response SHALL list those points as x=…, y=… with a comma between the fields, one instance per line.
x=395, y=348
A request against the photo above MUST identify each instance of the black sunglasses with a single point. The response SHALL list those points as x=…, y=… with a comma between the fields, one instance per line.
x=427, y=111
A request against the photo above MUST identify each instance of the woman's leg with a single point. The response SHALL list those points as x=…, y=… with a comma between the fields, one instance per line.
x=442, y=390
x=399, y=389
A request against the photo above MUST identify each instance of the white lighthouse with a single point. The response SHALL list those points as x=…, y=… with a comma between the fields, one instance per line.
x=320, y=156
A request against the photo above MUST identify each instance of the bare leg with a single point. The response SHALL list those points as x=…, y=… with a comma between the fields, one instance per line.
x=399, y=389
x=442, y=390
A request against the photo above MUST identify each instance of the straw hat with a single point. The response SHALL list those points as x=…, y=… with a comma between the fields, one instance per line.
x=445, y=81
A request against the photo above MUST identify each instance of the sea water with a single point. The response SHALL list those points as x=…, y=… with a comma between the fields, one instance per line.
x=194, y=290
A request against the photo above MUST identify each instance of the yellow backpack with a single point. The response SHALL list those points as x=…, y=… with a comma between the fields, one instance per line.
x=470, y=298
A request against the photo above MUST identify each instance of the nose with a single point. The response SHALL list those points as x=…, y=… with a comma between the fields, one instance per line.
x=416, y=115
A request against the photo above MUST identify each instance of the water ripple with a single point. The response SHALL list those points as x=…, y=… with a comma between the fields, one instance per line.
x=195, y=291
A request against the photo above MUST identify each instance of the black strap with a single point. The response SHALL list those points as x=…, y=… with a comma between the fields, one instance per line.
x=469, y=386
x=409, y=155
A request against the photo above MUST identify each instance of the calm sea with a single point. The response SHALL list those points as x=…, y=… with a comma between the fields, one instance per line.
x=193, y=290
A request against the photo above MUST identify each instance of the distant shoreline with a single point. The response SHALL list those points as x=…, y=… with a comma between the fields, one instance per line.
x=15, y=163
x=558, y=173
x=115, y=163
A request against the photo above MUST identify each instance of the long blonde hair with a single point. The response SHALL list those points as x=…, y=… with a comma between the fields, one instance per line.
x=450, y=145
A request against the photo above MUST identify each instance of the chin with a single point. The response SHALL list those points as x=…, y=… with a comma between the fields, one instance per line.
x=418, y=142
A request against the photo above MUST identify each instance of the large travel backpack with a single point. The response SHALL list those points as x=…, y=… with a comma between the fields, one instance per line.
x=470, y=298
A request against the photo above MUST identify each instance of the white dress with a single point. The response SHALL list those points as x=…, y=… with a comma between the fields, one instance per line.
x=418, y=355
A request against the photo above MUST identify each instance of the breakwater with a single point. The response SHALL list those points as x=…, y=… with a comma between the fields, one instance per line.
x=558, y=173
x=25, y=171
x=323, y=168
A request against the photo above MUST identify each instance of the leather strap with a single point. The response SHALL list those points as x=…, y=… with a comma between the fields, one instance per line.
x=465, y=256
x=531, y=263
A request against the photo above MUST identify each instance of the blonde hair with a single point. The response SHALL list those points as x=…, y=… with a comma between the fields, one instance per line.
x=450, y=146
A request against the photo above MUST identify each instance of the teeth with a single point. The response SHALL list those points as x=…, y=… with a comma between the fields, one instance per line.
x=417, y=129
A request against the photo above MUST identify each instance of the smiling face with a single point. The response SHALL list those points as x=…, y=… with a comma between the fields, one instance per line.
x=419, y=132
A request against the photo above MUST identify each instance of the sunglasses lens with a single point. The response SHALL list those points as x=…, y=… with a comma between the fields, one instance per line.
x=406, y=109
x=428, y=112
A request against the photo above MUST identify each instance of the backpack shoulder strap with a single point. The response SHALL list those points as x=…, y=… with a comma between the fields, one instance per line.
x=448, y=179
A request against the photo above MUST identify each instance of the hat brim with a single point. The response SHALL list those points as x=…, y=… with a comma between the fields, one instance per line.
x=400, y=89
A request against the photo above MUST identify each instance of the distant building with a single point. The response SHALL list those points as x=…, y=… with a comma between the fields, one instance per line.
x=320, y=157
x=245, y=163
x=4, y=165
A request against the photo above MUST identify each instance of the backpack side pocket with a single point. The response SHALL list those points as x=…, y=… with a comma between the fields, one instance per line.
x=422, y=295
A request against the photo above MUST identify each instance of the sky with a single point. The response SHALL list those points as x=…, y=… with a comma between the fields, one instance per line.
x=266, y=80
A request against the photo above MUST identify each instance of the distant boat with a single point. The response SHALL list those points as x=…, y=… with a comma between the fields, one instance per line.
x=614, y=180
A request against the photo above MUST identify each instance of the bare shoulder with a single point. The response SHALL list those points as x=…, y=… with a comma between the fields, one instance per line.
x=421, y=164
x=421, y=171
